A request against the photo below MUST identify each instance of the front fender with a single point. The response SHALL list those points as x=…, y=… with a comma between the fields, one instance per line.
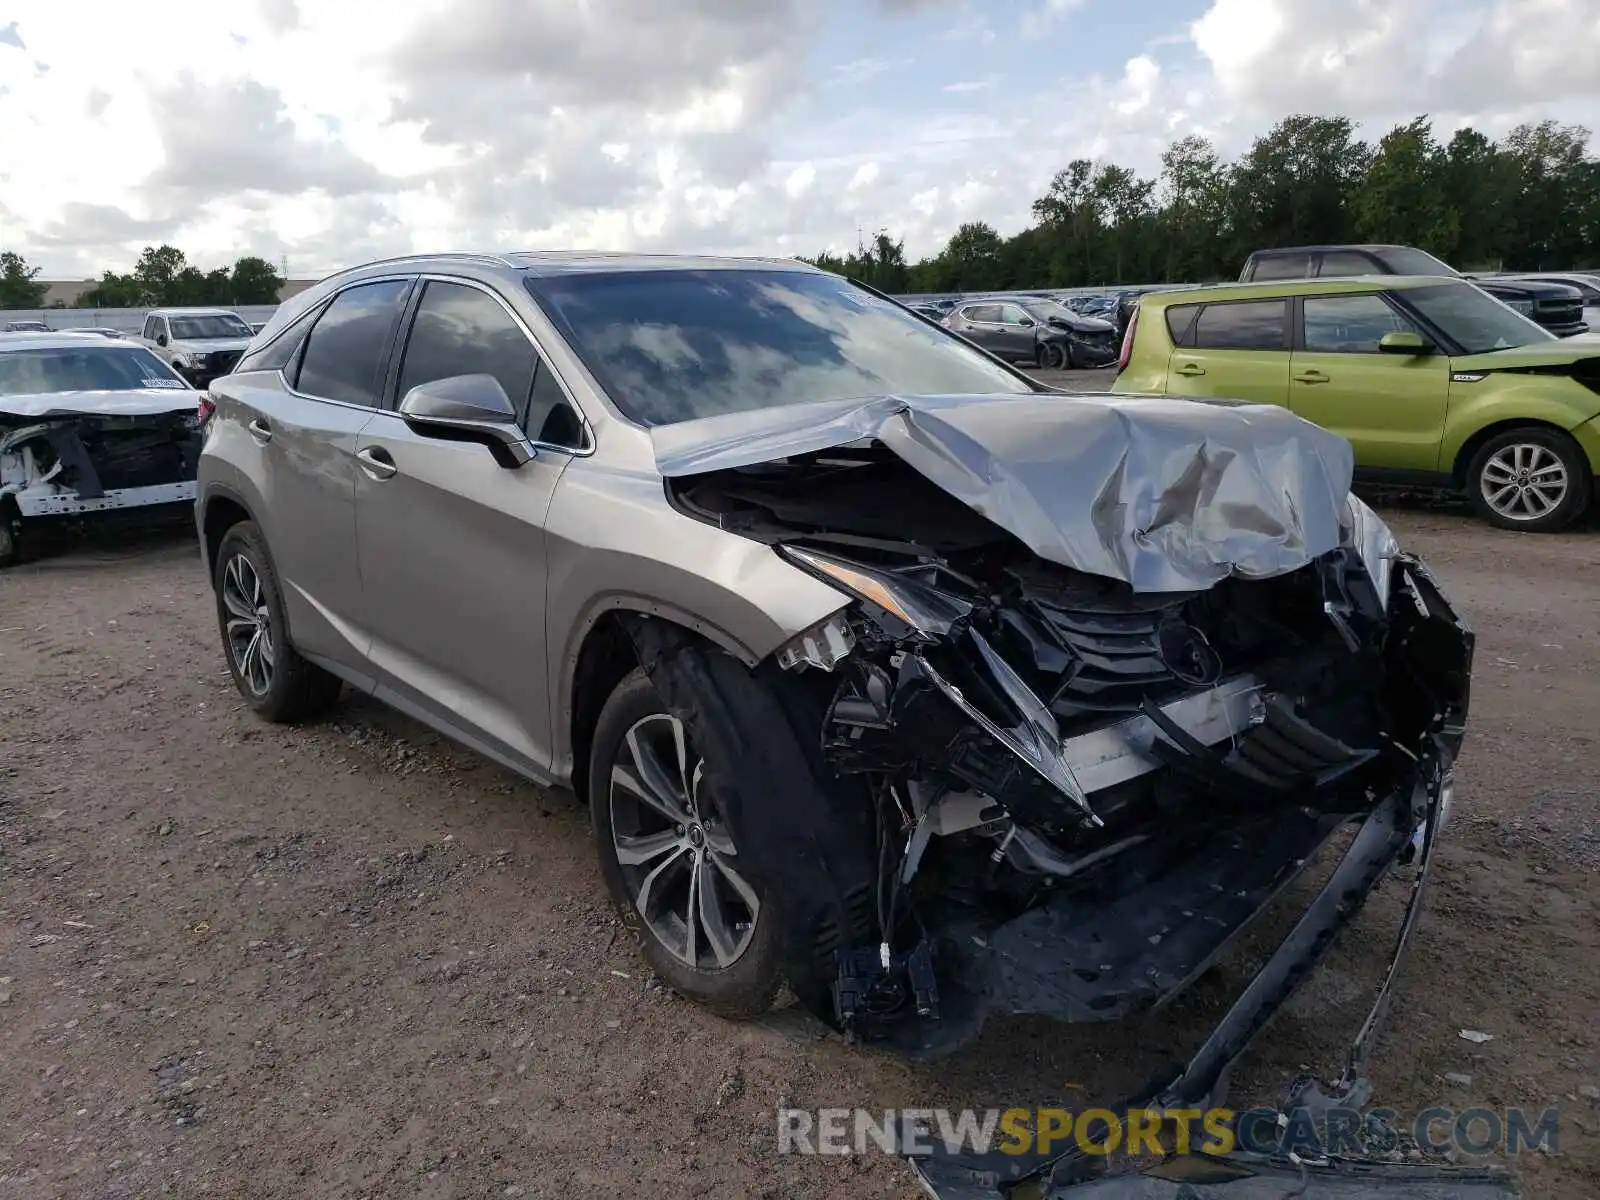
x=1504, y=396
x=615, y=544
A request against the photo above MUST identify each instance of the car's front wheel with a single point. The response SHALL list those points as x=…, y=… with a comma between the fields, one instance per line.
x=273, y=679
x=1533, y=479
x=671, y=861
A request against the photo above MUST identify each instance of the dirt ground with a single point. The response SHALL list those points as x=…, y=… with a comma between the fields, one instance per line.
x=349, y=960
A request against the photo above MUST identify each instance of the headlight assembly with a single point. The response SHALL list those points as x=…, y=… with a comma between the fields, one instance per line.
x=1373, y=542
x=921, y=609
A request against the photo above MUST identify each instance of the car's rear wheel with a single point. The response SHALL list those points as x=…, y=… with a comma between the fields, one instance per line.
x=1533, y=479
x=671, y=861
x=273, y=679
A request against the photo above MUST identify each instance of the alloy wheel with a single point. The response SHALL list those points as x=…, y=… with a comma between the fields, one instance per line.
x=1524, y=481
x=248, y=628
x=678, y=859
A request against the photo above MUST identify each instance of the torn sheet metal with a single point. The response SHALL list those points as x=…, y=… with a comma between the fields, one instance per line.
x=1166, y=495
x=161, y=397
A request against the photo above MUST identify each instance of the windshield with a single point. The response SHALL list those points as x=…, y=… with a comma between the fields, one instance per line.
x=1407, y=260
x=1474, y=319
x=83, y=369
x=676, y=345
x=1050, y=310
x=222, y=325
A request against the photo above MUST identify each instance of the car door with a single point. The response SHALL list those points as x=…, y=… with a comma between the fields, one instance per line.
x=1391, y=407
x=1019, y=332
x=980, y=323
x=157, y=338
x=452, y=545
x=1233, y=349
x=304, y=422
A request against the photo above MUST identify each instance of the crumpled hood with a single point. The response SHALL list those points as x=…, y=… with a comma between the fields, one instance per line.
x=1166, y=495
x=139, y=402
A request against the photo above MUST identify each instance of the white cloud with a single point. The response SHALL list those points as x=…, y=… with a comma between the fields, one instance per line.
x=304, y=128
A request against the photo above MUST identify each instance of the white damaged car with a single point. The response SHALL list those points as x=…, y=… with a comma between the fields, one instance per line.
x=90, y=429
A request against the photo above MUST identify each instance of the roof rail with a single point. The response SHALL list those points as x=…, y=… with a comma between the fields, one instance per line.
x=494, y=259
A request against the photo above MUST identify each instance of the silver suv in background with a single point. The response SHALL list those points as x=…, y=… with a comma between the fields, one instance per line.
x=859, y=643
x=199, y=343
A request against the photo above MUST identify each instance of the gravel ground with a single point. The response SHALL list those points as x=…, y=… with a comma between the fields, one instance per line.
x=348, y=959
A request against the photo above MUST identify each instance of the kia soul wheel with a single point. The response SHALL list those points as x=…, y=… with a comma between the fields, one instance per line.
x=1536, y=480
x=672, y=863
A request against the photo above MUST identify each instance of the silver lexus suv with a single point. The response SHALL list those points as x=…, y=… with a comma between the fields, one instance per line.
x=885, y=671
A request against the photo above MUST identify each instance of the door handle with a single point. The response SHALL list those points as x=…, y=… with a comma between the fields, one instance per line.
x=1311, y=377
x=1190, y=369
x=260, y=430
x=375, y=461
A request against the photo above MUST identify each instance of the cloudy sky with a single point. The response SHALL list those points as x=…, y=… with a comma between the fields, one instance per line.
x=331, y=131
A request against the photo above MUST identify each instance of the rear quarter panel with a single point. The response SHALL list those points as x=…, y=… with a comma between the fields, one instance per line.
x=1146, y=372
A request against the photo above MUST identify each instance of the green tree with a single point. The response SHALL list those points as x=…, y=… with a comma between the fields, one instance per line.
x=256, y=281
x=1194, y=199
x=114, y=291
x=160, y=273
x=1295, y=184
x=1402, y=197
x=19, y=286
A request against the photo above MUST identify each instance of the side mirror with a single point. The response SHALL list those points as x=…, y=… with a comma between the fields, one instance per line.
x=1402, y=341
x=161, y=339
x=468, y=408
x=1026, y=322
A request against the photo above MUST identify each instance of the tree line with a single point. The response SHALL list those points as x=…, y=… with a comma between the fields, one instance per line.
x=1529, y=202
x=161, y=277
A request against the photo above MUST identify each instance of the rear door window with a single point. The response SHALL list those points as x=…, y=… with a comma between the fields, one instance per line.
x=349, y=345
x=1242, y=325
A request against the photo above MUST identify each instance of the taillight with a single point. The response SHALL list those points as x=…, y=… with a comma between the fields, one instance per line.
x=1127, y=342
x=205, y=408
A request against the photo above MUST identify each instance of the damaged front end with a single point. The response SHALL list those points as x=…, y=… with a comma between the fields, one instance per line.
x=69, y=466
x=1086, y=792
x=1087, y=784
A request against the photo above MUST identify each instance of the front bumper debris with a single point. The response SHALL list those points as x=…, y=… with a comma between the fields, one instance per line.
x=1401, y=828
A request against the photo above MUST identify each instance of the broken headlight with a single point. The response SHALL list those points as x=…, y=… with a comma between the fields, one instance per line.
x=923, y=611
x=1364, y=532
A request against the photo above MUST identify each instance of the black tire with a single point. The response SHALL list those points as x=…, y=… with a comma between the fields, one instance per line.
x=291, y=689
x=1048, y=356
x=1496, y=466
x=744, y=988
x=10, y=533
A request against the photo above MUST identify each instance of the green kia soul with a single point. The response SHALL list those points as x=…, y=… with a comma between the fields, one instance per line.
x=1433, y=381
